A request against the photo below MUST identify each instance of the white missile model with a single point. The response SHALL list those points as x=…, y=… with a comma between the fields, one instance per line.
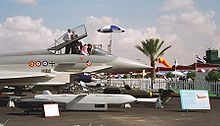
x=94, y=102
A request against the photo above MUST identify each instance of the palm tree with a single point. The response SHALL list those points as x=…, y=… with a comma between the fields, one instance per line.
x=151, y=48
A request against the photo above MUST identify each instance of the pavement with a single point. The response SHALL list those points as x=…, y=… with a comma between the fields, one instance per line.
x=141, y=114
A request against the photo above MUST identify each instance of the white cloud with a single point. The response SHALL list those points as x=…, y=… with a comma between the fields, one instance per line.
x=21, y=23
x=194, y=22
x=191, y=32
x=173, y=5
x=22, y=33
x=28, y=2
x=215, y=41
x=93, y=23
x=123, y=43
x=94, y=37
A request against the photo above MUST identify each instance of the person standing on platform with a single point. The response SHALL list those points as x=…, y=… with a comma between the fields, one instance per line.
x=74, y=43
x=67, y=38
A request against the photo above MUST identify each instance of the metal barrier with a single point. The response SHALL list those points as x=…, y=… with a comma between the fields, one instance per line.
x=212, y=87
x=144, y=84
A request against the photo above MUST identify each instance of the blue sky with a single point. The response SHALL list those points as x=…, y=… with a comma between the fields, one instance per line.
x=170, y=20
x=60, y=14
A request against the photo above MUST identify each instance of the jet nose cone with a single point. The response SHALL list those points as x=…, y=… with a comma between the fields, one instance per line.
x=128, y=65
x=131, y=98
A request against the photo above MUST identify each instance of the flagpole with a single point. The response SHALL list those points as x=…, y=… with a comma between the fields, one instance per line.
x=175, y=66
x=110, y=44
x=175, y=71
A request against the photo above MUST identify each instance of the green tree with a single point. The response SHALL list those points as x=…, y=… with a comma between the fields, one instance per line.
x=213, y=76
x=191, y=75
x=152, y=49
x=170, y=75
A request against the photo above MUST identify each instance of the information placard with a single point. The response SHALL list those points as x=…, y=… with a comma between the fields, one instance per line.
x=51, y=110
x=194, y=99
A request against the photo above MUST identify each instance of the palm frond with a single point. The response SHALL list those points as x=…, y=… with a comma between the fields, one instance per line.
x=162, y=52
x=151, y=47
x=158, y=48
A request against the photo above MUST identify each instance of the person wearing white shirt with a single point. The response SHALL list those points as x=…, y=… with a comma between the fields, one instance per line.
x=66, y=38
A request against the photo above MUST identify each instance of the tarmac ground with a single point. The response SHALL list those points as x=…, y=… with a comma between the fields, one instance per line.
x=141, y=114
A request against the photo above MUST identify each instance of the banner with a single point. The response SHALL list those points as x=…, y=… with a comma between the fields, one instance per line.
x=194, y=99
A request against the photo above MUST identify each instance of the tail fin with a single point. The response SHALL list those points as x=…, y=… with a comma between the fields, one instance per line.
x=47, y=92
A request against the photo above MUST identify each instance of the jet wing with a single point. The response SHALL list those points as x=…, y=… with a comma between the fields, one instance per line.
x=67, y=66
x=95, y=69
x=9, y=77
x=75, y=100
x=78, y=98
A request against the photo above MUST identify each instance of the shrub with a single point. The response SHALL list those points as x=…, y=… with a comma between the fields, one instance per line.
x=191, y=75
x=170, y=75
x=213, y=76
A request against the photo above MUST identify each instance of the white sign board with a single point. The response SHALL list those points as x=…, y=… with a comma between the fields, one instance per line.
x=194, y=99
x=51, y=110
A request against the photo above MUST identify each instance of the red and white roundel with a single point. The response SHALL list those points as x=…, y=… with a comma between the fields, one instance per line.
x=31, y=64
x=38, y=63
x=88, y=63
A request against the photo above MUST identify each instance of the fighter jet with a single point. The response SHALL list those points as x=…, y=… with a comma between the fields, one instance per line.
x=31, y=67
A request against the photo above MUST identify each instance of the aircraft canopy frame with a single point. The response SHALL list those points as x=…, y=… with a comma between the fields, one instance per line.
x=60, y=43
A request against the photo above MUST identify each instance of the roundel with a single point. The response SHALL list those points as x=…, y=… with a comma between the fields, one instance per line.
x=88, y=63
x=45, y=63
x=38, y=63
x=31, y=64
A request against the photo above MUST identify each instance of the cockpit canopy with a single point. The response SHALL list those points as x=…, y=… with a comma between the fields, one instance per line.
x=59, y=43
x=80, y=32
